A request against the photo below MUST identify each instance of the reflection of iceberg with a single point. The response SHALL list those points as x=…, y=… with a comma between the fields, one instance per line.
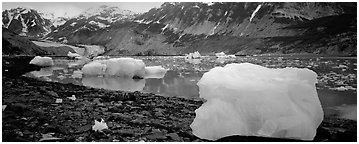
x=114, y=83
x=348, y=112
x=77, y=74
x=79, y=63
x=173, y=85
x=43, y=72
x=194, y=61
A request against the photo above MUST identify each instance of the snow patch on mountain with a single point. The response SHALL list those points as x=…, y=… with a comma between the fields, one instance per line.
x=254, y=13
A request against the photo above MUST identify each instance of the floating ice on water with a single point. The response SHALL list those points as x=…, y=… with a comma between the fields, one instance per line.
x=123, y=67
x=42, y=61
x=223, y=55
x=70, y=54
x=101, y=57
x=155, y=72
x=248, y=99
x=195, y=55
x=343, y=88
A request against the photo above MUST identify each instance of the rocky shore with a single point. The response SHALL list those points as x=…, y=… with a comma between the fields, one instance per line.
x=32, y=113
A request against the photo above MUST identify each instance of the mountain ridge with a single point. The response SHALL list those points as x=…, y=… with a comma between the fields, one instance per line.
x=236, y=27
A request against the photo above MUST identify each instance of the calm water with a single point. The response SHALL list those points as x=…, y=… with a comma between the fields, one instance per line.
x=336, y=86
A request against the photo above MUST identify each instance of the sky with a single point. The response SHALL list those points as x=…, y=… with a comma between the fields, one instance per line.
x=75, y=8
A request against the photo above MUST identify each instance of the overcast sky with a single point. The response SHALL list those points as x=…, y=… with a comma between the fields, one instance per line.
x=74, y=8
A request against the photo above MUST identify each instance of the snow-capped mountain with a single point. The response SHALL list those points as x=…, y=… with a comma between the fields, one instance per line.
x=233, y=27
x=91, y=20
x=56, y=20
x=26, y=22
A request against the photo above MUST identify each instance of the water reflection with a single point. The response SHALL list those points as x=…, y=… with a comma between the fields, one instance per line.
x=182, y=76
x=114, y=83
x=348, y=111
x=174, y=84
x=43, y=72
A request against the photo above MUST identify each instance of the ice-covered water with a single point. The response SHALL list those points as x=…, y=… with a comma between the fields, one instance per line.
x=337, y=78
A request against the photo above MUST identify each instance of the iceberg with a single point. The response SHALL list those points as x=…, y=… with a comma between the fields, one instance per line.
x=73, y=55
x=122, y=67
x=195, y=55
x=42, y=61
x=248, y=99
x=155, y=72
x=223, y=55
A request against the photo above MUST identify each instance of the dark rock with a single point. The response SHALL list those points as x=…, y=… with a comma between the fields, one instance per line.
x=124, y=132
x=157, y=135
x=174, y=136
x=119, y=116
x=84, y=128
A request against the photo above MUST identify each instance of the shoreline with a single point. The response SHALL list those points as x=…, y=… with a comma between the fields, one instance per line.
x=131, y=116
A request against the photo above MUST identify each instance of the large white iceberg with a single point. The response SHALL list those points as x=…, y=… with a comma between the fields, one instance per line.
x=123, y=67
x=248, y=99
x=42, y=61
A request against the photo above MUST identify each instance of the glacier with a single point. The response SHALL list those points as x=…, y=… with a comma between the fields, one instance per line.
x=251, y=100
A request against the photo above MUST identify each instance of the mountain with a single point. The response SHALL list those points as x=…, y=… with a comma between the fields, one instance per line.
x=14, y=44
x=242, y=28
x=26, y=22
x=56, y=20
x=233, y=27
x=91, y=21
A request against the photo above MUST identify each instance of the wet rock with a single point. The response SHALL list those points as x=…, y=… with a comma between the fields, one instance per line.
x=174, y=136
x=157, y=135
x=124, y=132
x=120, y=116
x=84, y=128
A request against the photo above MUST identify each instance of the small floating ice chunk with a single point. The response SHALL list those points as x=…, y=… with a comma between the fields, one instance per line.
x=223, y=55
x=99, y=126
x=70, y=54
x=4, y=107
x=248, y=99
x=195, y=55
x=42, y=61
x=101, y=57
x=155, y=72
x=343, y=88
